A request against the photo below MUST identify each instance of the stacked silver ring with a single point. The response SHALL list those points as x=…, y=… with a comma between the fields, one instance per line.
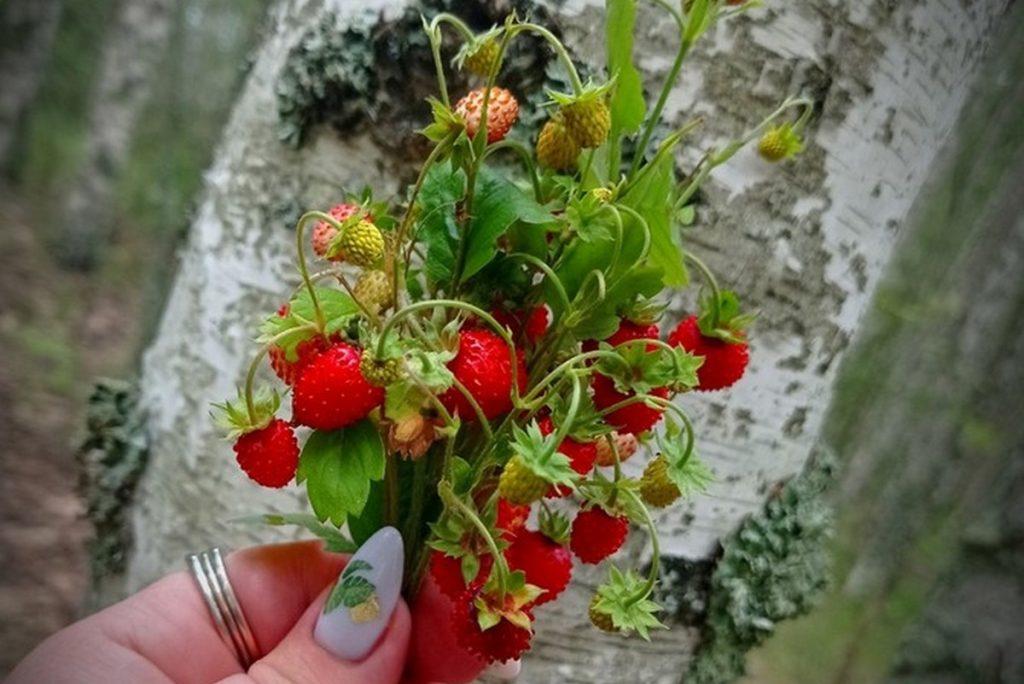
x=212, y=577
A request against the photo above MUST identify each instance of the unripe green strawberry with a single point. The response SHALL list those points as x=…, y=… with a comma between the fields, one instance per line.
x=656, y=487
x=480, y=61
x=556, y=149
x=361, y=244
x=780, y=142
x=588, y=121
x=520, y=485
x=599, y=618
x=379, y=372
x=373, y=290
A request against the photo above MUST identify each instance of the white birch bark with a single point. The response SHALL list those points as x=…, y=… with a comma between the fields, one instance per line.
x=804, y=243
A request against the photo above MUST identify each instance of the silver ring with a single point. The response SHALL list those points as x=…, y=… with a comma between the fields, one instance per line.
x=212, y=578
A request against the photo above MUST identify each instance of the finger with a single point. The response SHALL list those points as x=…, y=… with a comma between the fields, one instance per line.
x=299, y=659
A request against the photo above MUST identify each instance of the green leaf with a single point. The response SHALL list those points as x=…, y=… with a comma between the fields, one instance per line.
x=685, y=469
x=371, y=518
x=600, y=319
x=616, y=599
x=652, y=198
x=334, y=540
x=627, y=102
x=538, y=453
x=442, y=189
x=497, y=204
x=338, y=467
x=338, y=308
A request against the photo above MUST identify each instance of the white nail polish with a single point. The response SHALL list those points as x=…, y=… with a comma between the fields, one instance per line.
x=506, y=671
x=360, y=604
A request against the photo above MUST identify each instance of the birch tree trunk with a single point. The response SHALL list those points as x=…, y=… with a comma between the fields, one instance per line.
x=803, y=243
x=134, y=46
x=27, y=28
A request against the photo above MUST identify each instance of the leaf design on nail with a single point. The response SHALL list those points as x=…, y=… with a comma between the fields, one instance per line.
x=353, y=590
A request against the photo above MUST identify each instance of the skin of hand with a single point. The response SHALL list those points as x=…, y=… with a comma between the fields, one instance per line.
x=165, y=633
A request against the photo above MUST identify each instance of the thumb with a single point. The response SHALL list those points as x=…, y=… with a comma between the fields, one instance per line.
x=356, y=631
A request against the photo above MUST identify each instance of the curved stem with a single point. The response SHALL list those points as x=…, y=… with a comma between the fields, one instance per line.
x=709, y=278
x=448, y=496
x=652, y=577
x=563, y=54
x=548, y=272
x=619, y=235
x=524, y=155
x=455, y=22
x=674, y=12
x=646, y=249
x=300, y=244
x=475, y=405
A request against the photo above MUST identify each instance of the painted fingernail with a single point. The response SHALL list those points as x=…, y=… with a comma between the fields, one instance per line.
x=506, y=671
x=360, y=605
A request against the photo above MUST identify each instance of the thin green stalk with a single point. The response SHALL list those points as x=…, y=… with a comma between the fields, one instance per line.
x=525, y=155
x=560, y=51
x=659, y=107
x=300, y=243
x=709, y=278
x=448, y=496
x=652, y=577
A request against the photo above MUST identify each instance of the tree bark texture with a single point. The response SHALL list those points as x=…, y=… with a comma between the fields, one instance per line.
x=27, y=29
x=134, y=47
x=804, y=243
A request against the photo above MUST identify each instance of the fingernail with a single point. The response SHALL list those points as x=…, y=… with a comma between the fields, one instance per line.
x=506, y=671
x=360, y=605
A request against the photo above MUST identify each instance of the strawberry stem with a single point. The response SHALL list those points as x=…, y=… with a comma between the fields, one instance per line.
x=712, y=282
x=652, y=577
x=560, y=51
x=449, y=498
x=659, y=107
x=300, y=244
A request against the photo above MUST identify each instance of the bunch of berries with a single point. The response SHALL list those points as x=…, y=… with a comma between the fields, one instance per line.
x=484, y=365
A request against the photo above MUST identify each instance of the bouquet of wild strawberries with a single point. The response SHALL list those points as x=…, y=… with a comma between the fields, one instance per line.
x=488, y=351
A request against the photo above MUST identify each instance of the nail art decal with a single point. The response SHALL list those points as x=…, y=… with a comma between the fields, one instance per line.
x=360, y=605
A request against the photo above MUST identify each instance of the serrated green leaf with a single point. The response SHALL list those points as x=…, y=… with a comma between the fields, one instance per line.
x=338, y=308
x=497, y=204
x=371, y=518
x=627, y=101
x=652, y=198
x=338, y=467
x=442, y=189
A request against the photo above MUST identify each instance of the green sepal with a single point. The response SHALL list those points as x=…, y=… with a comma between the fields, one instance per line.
x=233, y=416
x=299, y=324
x=538, y=453
x=554, y=525
x=637, y=370
x=731, y=321
x=591, y=91
x=615, y=598
x=685, y=469
x=445, y=122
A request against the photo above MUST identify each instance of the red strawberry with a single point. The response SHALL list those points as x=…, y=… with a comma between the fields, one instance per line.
x=502, y=642
x=305, y=352
x=724, y=362
x=331, y=392
x=511, y=518
x=483, y=366
x=269, y=455
x=502, y=112
x=634, y=418
x=628, y=330
x=324, y=232
x=582, y=456
x=447, y=573
x=597, y=535
x=545, y=563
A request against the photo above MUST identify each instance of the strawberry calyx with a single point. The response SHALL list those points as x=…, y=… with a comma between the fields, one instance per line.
x=624, y=599
x=242, y=415
x=554, y=525
x=512, y=602
x=721, y=317
x=592, y=92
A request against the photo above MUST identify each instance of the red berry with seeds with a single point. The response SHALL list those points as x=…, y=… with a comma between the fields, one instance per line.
x=597, y=535
x=531, y=325
x=305, y=352
x=628, y=330
x=502, y=642
x=269, y=455
x=447, y=573
x=511, y=518
x=324, y=232
x=545, y=563
x=633, y=418
x=483, y=365
x=332, y=392
x=502, y=112
x=724, y=362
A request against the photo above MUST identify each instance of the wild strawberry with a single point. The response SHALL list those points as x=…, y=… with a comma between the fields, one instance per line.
x=780, y=142
x=484, y=367
x=379, y=372
x=597, y=535
x=520, y=485
x=332, y=393
x=556, y=148
x=361, y=244
x=599, y=618
x=724, y=362
x=305, y=351
x=373, y=290
x=545, y=563
x=323, y=232
x=633, y=419
x=447, y=573
x=269, y=455
x=532, y=324
x=511, y=518
x=581, y=456
x=588, y=121
x=656, y=487
x=627, y=331
x=480, y=57
x=625, y=443
x=502, y=112
x=505, y=640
